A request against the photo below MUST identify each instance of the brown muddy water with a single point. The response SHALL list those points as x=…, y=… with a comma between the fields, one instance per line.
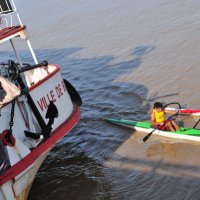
x=121, y=55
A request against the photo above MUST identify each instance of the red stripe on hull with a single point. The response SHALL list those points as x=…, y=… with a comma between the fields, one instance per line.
x=57, y=134
x=189, y=111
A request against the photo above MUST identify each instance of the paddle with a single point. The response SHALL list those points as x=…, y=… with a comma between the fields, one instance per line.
x=149, y=134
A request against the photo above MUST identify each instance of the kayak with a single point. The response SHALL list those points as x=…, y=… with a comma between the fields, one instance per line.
x=184, y=133
x=186, y=111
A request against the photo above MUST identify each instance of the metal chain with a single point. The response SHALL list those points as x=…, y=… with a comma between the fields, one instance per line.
x=11, y=117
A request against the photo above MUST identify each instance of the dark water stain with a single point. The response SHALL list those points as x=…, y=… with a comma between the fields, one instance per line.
x=85, y=148
x=75, y=167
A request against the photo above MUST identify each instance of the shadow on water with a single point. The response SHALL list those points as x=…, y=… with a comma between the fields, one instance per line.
x=75, y=167
x=148, y=180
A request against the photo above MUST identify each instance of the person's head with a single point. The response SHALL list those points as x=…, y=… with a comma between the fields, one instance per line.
x=158, y=106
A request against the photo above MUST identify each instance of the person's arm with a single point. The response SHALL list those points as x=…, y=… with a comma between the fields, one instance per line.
x=153, y=120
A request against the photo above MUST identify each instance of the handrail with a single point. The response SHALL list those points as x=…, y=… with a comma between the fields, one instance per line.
x=24, y=69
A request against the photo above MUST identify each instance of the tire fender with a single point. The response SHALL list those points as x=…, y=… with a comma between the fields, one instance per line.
x=74, y=95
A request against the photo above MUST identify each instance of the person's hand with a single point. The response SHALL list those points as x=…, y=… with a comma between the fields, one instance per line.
x=161, y=123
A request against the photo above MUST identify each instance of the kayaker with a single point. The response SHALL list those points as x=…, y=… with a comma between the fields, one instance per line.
x=158, y=119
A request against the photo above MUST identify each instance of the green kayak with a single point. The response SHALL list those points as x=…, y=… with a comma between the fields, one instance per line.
x=184, y=133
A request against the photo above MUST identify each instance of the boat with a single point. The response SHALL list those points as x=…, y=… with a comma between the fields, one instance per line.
x=190, y=134
x=195, y=112
x=38, y=108
x=177, y=108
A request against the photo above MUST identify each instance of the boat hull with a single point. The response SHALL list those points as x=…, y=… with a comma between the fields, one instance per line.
x=38, y=162
x=27, y=168
x=184, y=134
x=195, y=112
x=25, y=161
x=38, y=108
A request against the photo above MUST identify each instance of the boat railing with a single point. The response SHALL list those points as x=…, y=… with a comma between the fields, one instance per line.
x=10, y=27
x=25, y=67
x=8, y=13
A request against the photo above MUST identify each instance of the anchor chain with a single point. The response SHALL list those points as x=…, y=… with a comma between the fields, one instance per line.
x=11, y=117
x=9, y=139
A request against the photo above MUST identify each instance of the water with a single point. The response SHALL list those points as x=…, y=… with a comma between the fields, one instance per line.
x=121, y=56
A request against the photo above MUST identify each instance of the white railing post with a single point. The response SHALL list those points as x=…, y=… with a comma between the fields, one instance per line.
x=31, y=50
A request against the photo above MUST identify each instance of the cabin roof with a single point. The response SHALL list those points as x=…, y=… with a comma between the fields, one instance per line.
x=10, y=32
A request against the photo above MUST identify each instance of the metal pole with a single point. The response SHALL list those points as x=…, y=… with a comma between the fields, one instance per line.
x=31, y=50
x=18, y=58
x=15, y=9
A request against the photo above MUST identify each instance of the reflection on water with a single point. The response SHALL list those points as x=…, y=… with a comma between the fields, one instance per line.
x=156, y=169
x=121, y=56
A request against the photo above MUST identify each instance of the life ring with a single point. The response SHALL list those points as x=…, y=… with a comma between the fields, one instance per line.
x=75, y=97
x=8, y=140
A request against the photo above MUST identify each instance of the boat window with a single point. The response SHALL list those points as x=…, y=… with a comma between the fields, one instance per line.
x=5, y=7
